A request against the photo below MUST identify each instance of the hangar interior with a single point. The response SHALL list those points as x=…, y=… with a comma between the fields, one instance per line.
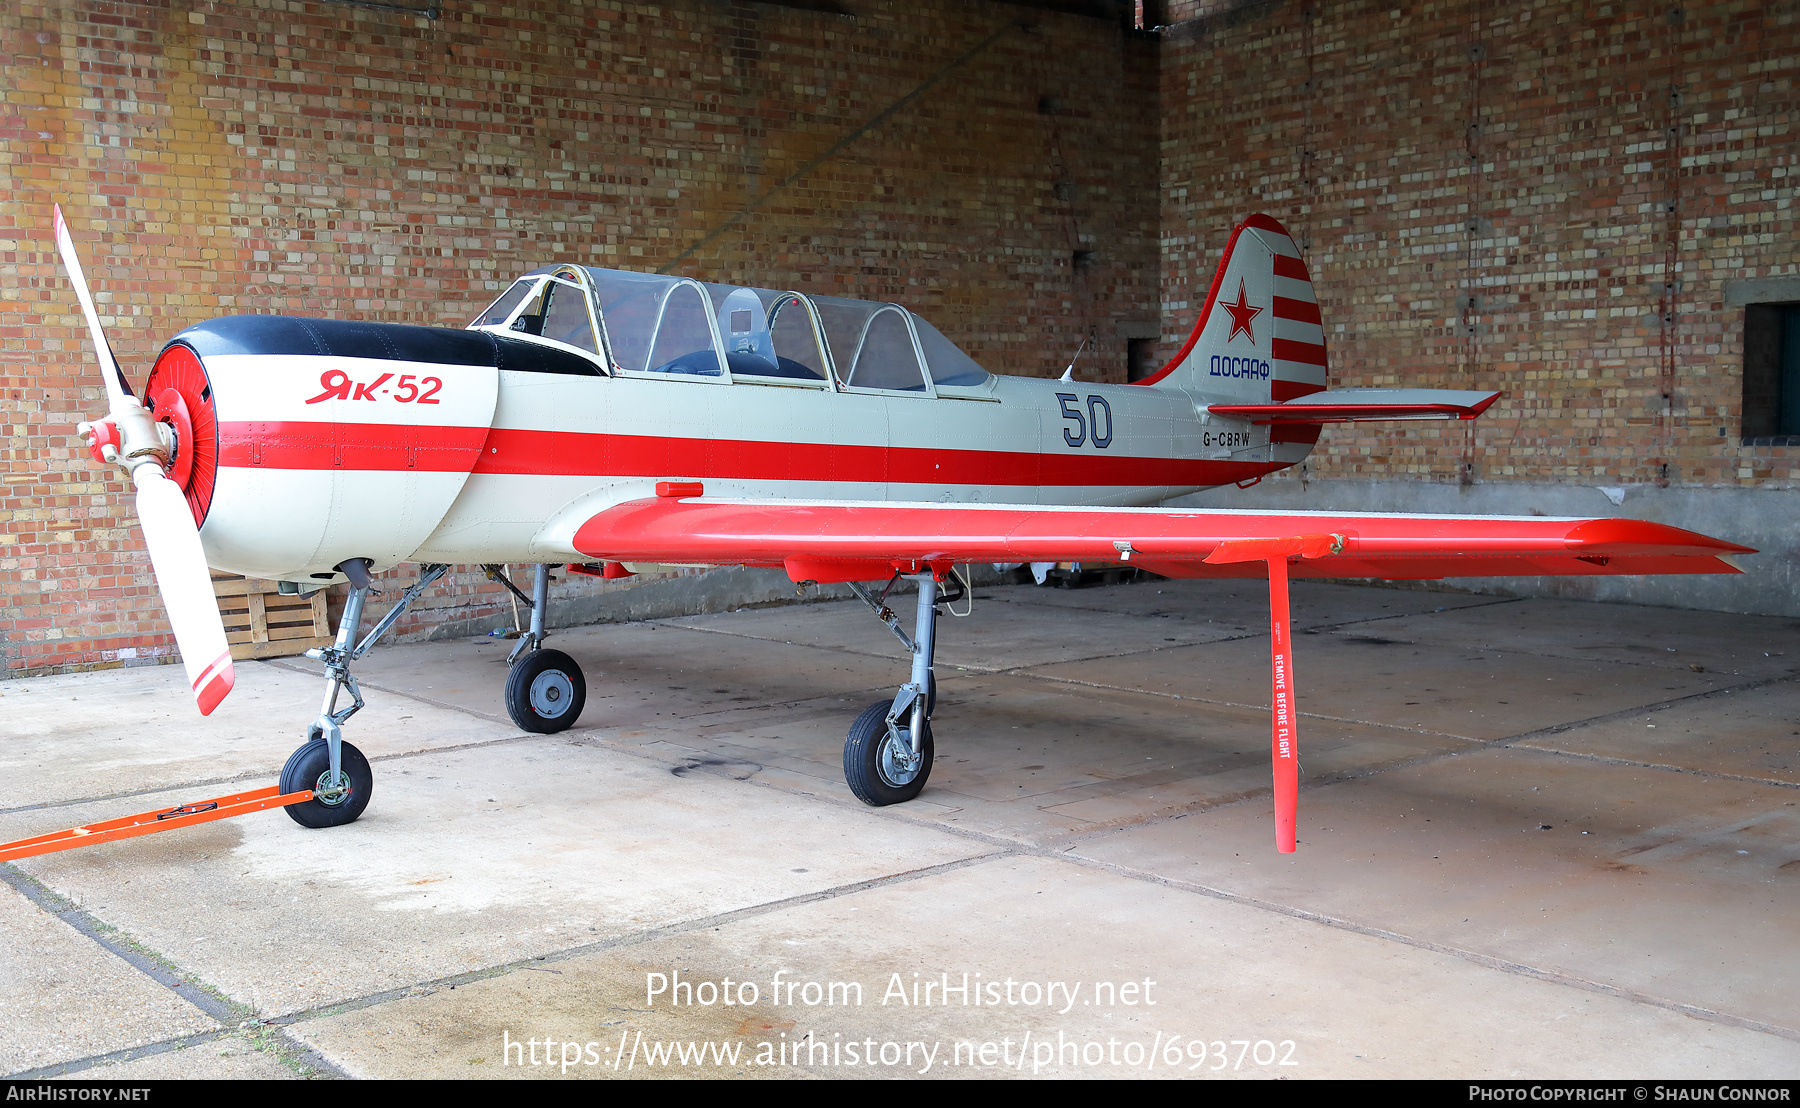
x=1585, y=206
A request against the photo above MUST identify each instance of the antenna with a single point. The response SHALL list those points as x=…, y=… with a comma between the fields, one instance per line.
x=1069, y=374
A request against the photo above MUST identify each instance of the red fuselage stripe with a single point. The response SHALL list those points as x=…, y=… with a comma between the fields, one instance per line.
x=294, y=444
x=315, y=446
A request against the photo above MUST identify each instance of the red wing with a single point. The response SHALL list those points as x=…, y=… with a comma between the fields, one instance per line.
x=856, y=541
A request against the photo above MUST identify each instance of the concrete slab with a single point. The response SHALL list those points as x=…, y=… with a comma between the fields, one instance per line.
x=1757, y=647
x=1035, y=760
x=705, y=791
x=67, y=997
x=1747, y=733
x=1370, y=677
x=469, y=859
x=1089, y=758
x=123, y=731
x=1331, y=1002
x=1668, y=884
x=270, y=1057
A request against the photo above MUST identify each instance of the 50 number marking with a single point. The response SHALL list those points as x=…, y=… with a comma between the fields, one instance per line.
x=1087, y=428
x=338, y=386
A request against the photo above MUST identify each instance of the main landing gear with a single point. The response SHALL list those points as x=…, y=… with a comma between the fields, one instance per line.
x=545, y=691
x=888, y=753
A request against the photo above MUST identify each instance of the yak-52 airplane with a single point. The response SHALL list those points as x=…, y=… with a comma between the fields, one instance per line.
x=603, y=419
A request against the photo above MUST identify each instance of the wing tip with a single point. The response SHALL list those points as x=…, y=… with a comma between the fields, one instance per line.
x=1618, y=532
x=1476, y=409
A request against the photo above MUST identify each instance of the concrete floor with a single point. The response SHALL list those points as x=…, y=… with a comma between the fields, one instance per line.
x=1538, y=838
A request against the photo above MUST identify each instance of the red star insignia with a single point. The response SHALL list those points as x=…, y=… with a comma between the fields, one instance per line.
x=1241, y=314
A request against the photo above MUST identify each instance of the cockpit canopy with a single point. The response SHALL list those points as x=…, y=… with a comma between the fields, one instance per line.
x=649, y=323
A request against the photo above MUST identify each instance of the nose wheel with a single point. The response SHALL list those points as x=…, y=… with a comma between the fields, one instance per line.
x=545, y=692
x=337, y=800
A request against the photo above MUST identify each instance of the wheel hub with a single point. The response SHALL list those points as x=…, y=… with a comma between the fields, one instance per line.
x=898, y=764
x=330, y=792
x=551, y=694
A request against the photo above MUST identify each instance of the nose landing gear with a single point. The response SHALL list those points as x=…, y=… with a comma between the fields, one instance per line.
x=336, y=772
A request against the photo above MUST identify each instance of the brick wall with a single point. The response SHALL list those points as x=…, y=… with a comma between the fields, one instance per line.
x=1544, y=198
x=323, y=159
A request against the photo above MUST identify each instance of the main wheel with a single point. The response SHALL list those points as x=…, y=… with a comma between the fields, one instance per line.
x=310, y=768
x=875, y=767
x=545, y=692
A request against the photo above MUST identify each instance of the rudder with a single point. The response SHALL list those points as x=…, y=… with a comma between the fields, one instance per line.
x=1259, y=338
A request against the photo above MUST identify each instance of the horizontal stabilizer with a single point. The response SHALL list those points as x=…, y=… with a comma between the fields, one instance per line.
x=1357, y=405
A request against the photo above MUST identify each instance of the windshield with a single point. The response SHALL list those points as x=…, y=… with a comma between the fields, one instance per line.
x=502, y=309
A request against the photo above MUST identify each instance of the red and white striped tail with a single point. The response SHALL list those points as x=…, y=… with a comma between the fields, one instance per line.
x=1259, y=338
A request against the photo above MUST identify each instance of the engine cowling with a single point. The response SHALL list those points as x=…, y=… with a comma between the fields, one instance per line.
x=302, y=443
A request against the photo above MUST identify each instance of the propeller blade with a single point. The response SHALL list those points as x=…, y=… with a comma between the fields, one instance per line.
x=117, y=388
x=168, y=524
x=186, y=585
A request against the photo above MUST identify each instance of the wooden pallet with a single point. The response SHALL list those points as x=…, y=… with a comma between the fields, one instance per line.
x=262, y=623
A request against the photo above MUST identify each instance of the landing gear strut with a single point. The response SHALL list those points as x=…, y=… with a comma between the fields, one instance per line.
x=336, y=772
x=545, y=690
x=888, y=753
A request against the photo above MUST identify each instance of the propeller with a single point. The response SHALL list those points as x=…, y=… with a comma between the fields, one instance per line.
x=131, y=437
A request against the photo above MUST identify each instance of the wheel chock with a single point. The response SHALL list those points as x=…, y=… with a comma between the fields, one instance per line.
x=146, y=823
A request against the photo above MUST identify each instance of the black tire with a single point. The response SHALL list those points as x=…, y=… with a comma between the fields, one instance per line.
x=868, y=769
x=306, y=769
x=545, y=692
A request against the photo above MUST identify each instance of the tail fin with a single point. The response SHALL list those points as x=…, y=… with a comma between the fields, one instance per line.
x=1259, y=339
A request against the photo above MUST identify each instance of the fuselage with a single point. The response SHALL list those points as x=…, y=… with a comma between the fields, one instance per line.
x=560, y=444
x=335, y=441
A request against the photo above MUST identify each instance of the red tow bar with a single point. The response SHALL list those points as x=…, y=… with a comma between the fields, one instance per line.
x=147, y=823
